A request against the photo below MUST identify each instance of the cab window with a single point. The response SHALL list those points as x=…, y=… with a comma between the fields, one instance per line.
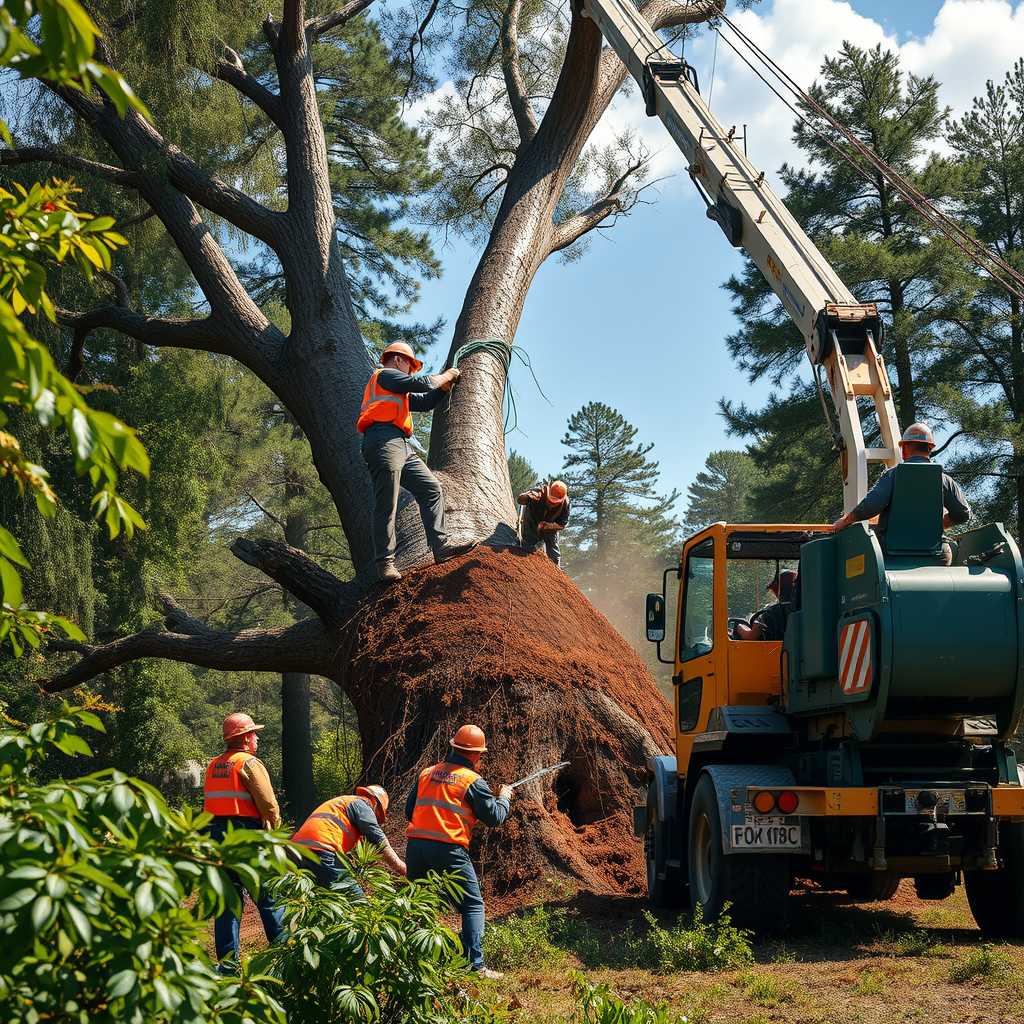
x=752, y=563
x=696, y=638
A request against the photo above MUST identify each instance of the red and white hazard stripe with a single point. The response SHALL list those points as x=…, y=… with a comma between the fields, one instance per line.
x=855, y=657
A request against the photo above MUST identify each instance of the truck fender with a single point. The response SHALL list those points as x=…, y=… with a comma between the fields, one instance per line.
x=732, y=779
x=664, y=781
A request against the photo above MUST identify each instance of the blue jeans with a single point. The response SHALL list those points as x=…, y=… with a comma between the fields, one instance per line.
x=423, y=855
x=332, y=873
x=225, y=927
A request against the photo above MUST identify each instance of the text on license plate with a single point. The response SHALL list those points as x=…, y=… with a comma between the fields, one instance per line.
x=766, y=833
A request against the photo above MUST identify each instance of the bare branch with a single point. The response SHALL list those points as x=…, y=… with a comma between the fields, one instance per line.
x=519, y=99
x=43, y=154
x=316, y=27
x=231, y=69
x=314, y=586
x=131, y=222
x=303, y=647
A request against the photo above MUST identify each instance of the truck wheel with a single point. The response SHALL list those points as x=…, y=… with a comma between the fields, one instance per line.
x=872, y=886
x=755, y=884
x=935, y=887
x=997, y=897
x=666, y=887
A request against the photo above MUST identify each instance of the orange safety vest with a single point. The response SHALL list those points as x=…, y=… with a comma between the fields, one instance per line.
x=224, y=792
x=329, y=826
x=383, y=406
x=442, y=812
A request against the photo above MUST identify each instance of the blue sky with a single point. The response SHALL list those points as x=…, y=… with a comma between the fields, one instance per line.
x=640, y=321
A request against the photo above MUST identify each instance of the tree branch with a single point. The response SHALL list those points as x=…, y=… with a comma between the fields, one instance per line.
x=162, y=332
x=329, y=597
x=43, y=154
x=526, y=120
x=316, y=27
x=231, y=69
x=303, y=647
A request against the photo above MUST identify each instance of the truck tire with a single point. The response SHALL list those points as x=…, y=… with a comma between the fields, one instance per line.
x=935, y=887
x=872, y=886
x=755, y=884
x=996, y=898
x=666, y=887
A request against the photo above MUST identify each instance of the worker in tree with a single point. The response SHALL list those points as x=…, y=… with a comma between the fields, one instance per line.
x=392, y=394
x=238, y=793
x=770, y=622
x=915, y=446
x=335, y=827
x=447, y=801
x=545, y=514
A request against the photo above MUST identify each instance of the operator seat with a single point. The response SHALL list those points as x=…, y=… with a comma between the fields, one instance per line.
x=914, y=527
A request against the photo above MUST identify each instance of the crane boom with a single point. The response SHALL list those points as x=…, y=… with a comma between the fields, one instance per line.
x=840, y=334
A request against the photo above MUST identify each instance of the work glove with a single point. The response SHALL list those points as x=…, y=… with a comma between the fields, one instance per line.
x=505, y=793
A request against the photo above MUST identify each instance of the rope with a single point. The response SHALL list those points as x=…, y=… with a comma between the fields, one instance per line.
x=503, y=352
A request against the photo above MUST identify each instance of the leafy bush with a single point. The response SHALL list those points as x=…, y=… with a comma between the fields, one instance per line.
x=94, y=876
x=983, y=962
x=524, y=940
x=388, y=958
x=693, y=944
x=597, y=1004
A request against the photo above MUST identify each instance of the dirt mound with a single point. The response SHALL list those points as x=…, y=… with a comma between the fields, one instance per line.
x=506, y=640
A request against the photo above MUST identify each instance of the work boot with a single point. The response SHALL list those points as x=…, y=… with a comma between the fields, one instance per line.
x=486, y=972
x=388, y=573
x=442, y=554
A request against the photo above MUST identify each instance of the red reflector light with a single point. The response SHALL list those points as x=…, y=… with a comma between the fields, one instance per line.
x=787, y=801
x=764, y=802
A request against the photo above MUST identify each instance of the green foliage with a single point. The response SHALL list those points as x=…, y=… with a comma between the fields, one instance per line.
x=337, y=761
x=521, y=474
x=766, y=989
x=722, y=490
x=597, y=1004
x=524, y=940
x=693, y=944
x=985, y=963
x=95, y=877
x=387, y=958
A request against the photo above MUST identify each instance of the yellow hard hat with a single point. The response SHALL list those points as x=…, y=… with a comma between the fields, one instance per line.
x=399, y=348
x=379, y=793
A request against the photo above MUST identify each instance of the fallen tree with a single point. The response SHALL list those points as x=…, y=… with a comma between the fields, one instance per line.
x=494, y=637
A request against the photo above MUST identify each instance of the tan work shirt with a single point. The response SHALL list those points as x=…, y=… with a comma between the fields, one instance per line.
x=257, y=781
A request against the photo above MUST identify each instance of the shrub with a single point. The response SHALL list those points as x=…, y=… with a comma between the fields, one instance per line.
x=524, y=940
x=387, y=958
x=94, y=875
x=983, y=962
x=597, y=1004
x=693, y=944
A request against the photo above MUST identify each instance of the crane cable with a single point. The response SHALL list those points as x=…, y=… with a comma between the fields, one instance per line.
x=979, y=254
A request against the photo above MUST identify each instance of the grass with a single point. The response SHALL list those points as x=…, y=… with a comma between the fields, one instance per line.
x=871, y=983
x=766, y=989
x=982, y=964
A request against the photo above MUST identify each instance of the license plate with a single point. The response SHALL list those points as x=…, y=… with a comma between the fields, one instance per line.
x=766, y=833
x=951, y=801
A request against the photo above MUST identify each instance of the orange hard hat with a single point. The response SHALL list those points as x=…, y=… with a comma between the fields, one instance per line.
x=399, y=348
x=379, y=793
x=918, y=433
x=238, y=724
x=469, y=737
x=783, y=585
x=557, y=492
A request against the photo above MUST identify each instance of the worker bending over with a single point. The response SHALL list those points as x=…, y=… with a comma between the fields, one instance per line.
x=770, y=622
x=391, y=396
x=545, y=515
x=335, y=827
x=915, y=446
x=238, y=793
x=447, y=801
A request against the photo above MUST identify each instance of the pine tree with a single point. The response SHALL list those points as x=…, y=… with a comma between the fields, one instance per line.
x=722, y=491
x=521, y=474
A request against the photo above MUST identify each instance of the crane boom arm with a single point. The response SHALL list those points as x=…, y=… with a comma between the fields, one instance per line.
x=840, y=334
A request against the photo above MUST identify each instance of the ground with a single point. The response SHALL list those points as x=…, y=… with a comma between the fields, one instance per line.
x=840, y=963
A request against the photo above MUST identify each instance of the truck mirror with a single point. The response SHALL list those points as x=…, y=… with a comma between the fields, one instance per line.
x=655, y=618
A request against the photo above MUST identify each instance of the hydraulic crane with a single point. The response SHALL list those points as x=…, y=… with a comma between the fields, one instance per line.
x=872, y=742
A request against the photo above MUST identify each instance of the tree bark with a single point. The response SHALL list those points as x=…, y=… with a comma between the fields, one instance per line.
x=296, y=746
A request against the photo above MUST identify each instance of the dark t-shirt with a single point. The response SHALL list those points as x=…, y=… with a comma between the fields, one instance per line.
x=541, y=512
x=773, y=618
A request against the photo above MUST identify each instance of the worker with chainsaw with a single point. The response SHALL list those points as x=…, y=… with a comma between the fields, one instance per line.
x=392, y=394
x=238, y=793
x=447, y=800
x=770, y=622
x=335, y=828
x=545, y=514
x=915, y=446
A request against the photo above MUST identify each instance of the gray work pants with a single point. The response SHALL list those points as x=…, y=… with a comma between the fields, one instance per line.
x=532, y=537
x=393, y=464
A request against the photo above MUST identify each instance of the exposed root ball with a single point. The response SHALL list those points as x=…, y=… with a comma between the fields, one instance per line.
x=507, y=641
